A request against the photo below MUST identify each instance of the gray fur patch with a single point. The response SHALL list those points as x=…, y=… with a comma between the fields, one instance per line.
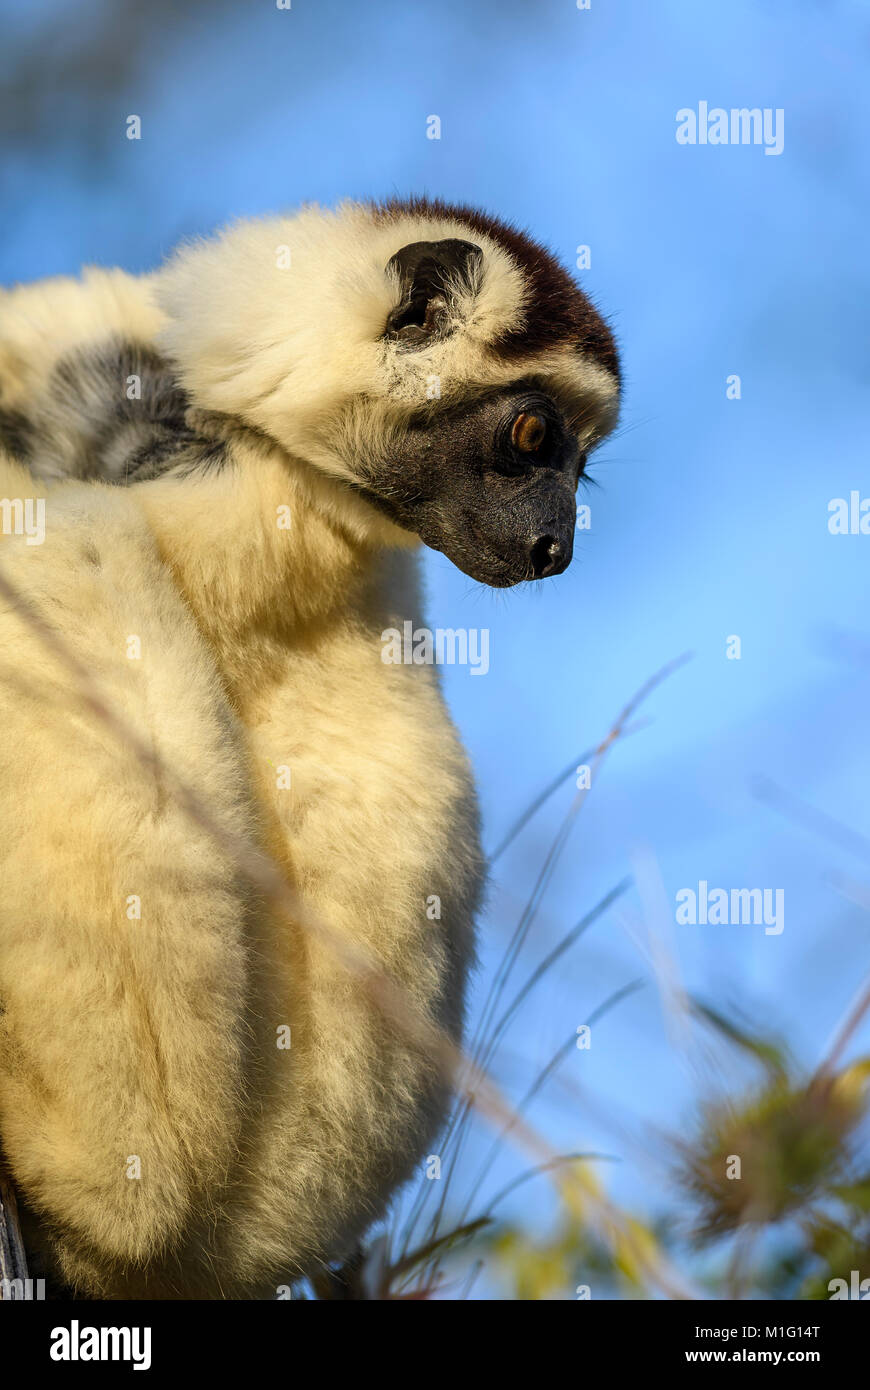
x=114, y=412
x=15, y=434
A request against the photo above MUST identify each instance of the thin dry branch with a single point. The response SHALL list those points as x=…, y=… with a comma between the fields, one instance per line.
x=13, y=1261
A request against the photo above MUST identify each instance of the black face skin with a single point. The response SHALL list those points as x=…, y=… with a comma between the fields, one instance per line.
x=491, y=485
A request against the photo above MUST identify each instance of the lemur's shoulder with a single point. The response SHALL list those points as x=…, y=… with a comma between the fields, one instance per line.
x=84, y=391
x=41, y=322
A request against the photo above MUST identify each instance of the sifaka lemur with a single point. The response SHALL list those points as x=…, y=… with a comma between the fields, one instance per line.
x=236, y=457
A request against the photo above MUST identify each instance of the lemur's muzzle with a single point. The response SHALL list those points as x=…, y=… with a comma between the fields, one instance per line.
x=490, y=484
x=523, y=528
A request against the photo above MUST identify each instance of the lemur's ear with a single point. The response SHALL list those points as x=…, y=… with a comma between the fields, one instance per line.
x=424, y=269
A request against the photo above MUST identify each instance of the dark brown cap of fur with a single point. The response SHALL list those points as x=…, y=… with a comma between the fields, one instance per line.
x=558, y=311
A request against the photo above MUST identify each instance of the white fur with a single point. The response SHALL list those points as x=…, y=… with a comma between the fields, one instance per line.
x=260, y=649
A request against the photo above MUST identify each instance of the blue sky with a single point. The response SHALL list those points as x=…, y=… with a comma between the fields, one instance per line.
x=711, y=515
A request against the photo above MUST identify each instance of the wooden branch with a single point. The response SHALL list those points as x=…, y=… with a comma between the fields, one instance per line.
x=13, y=1261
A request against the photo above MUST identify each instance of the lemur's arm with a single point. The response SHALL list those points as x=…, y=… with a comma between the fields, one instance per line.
x=124, y=965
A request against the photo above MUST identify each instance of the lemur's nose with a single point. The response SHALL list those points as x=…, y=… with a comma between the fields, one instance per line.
x=548, y=556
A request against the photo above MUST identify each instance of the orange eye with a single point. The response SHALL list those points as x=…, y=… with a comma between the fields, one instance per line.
x=528, y=432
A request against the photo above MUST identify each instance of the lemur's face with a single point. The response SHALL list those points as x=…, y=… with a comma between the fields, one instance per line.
x=490, y=484
x=489, y=480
